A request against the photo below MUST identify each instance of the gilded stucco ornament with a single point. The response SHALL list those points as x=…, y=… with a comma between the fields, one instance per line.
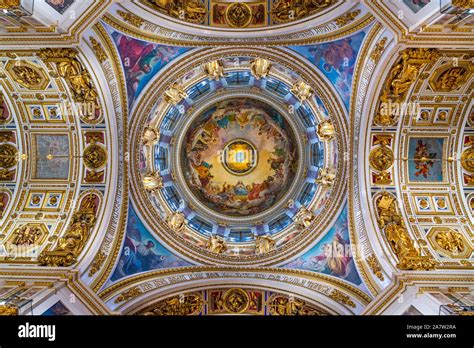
x=302, y=91
x=98, y=50
x=97, y=263
x=383, y=178
x=128, y=294
x=348, y=17
x=232, y=301
x=131, y=18
x=152, y=182
x=6, y=310
x=239, y=15
x=283, y=11
x=80, y=83
x=260, y=68
x=4, y=200
x=465, y=4
x=326, y=130
x=9, y=156
x=216, y=244
x=214, y=69
x=72, y=70
x=74, y=239
x=381, y=158
x=450, y=241
x=7, y=175
x=288, y=305
x=387, y=209
x=175, y=94
x=193, y=11
x=450, y=78
x=304, y=218
x=400, y=78
x=409, y=257
x=378, y=50
x=4, y=112
x=396, y=233
x=94, y=156
x=340, y=297
x=176, y=221
x=8, y=4
x=188, y=304
x=467, y=159
x=375, y=266
x=150, y=136
x=326, y=177
x=27, y=235
x=27, y=74
x=264, y=244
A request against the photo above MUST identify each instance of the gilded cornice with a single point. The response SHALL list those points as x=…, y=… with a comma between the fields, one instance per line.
x=200, y=40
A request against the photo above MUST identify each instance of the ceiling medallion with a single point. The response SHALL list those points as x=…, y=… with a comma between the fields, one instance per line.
x=8, y=156
x=27, y=74
x=450, y=78
x=94, y=156
x=449, y=243
x=239, y=157
x=236, y=301
x=381, y=158
x=467, y=160
x=238, y=15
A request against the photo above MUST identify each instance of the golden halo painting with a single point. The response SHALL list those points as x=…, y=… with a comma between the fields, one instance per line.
x=240, y=156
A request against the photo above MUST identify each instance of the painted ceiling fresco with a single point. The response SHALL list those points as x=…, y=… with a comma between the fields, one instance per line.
x=266, y=155
x=142, y=252
x=332, y=255
x=336, y=60
x=141, y=61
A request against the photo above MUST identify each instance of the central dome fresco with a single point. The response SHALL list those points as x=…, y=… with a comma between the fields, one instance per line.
x=239, y=156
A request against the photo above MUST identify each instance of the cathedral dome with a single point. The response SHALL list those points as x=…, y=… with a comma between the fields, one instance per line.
x=243, y=156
